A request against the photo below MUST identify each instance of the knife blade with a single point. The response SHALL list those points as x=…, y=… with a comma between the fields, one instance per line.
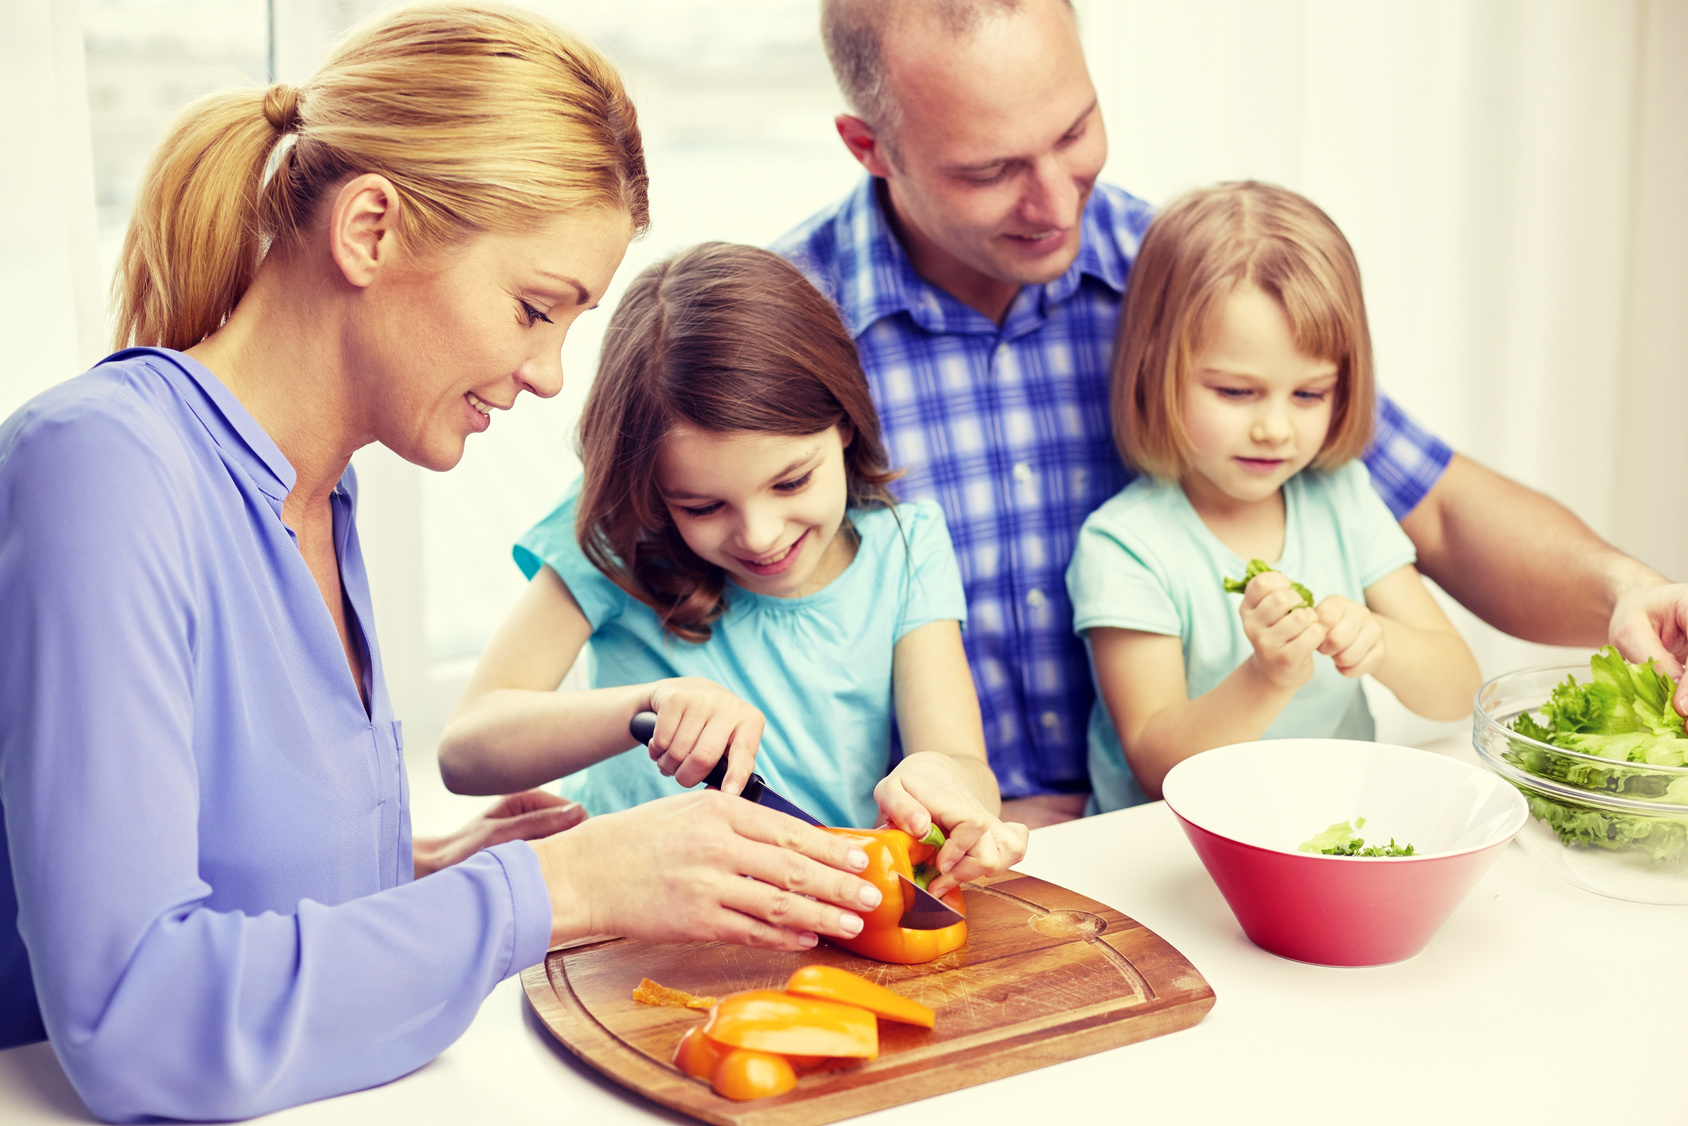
x=923, y=911
x=643, y=726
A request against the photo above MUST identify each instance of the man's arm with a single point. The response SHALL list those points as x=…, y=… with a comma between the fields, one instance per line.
x=1525, y=564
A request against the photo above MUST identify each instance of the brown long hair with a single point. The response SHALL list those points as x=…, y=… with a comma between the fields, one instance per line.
x=484, y=117
x=723, y=338
x=1196, y=252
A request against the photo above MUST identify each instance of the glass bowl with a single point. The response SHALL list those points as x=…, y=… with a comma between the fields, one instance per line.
x=1610, y=827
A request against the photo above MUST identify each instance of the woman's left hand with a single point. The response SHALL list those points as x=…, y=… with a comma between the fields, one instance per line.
x=526, y=816
x=931, y=787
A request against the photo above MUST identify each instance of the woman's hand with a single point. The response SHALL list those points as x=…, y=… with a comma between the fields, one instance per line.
x=1284, y=632
x=931, y=787
x=526, y=816
x=674, y=870
x=1353, y=636
x=697, y=721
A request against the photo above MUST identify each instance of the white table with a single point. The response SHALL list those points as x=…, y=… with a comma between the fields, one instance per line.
x=1535, y=1002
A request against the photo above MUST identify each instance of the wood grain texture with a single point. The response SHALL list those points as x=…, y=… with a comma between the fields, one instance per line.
x=1047, y=975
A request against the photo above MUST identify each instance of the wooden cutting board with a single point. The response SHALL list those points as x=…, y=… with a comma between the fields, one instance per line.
x=1047, y=975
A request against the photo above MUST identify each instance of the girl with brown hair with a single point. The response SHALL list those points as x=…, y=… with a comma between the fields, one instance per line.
x=219, y=908
x=738, y=566
x=1242, y=391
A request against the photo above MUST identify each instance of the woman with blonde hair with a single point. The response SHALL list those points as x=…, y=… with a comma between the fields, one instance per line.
x=219, y=907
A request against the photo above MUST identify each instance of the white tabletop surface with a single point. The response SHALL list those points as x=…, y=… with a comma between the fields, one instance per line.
x=1536, y=1002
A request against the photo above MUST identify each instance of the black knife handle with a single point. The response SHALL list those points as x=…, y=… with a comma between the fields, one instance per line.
x=643, y=726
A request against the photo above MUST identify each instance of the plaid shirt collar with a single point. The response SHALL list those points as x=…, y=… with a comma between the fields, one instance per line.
x=879, y=281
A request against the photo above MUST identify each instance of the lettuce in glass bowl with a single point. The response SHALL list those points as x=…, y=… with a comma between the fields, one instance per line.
x=1602, y=759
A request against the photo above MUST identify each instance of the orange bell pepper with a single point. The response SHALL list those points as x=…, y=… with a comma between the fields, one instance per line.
x=744, y=1074
x=891, y=852
x=697, y=1055
x=766, y=1020
x=833, y=984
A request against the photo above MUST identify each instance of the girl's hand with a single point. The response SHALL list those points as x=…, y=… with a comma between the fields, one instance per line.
x=1284, y=632
x=698, y=721
x=1353, y=636
x=930, y=787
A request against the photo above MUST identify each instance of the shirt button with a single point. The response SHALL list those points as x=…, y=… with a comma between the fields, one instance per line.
x=1022, y=472
x=1036, y=598
x=1050, y=720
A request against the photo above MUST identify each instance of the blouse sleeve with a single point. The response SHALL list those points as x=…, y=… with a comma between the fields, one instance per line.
x=934, y=591
x=552, y=543
x=155, y=1003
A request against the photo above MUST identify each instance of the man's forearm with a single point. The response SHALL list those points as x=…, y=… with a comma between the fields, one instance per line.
x=1520, y=560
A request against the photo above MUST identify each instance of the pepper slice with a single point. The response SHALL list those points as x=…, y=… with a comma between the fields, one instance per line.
x=744, y=1074
x=767, y=1020
x=890, y=852
x=697, y=1055
x=833, y=984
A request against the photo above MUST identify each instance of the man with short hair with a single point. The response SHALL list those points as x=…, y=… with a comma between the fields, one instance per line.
x=980, y=267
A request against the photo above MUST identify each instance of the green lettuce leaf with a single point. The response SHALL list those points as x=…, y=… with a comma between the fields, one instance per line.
x=1260, y=567
x=1623, y=713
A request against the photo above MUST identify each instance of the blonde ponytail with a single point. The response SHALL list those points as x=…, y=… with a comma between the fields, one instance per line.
x=484, y=118
x=193, y=241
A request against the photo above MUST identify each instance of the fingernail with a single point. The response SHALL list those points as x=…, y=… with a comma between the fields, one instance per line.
x=850, y=924
x=807, y=940
x=858, y=859
x=870, y=897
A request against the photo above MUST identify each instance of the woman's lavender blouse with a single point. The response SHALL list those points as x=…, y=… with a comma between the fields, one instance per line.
x=206, y=836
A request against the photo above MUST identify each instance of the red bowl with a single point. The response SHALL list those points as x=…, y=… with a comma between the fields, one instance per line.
x=1246, y=809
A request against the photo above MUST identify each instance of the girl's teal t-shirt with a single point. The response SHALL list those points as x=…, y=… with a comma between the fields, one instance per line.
x=1145, y=561
x=819, y=666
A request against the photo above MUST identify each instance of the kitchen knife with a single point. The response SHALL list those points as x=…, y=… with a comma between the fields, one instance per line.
x=922, y=911
x=643, y=727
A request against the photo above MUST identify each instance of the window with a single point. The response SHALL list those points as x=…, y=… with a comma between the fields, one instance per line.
x=147, y=59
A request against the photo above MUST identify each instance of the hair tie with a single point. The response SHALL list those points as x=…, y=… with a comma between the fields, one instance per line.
x=281, y=107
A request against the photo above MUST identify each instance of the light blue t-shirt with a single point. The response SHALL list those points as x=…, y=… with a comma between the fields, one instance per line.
x=818, y=666
x=1145, y=561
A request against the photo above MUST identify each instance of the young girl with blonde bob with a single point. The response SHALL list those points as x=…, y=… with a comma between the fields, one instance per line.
x=1242, y=391
x=738, y=566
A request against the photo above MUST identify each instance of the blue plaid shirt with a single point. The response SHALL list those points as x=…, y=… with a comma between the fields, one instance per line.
x=1007, y=427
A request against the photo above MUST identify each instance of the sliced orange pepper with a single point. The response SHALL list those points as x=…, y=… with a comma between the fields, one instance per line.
x=744, y=1074
x=891, y=852
x=767, y=1020
x=830, y=983
x=697, y=1055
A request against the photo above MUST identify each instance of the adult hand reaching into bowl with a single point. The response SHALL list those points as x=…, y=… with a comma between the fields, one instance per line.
x=1652, y=621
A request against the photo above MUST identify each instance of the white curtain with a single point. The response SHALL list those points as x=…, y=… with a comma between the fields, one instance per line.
x=52, y=298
